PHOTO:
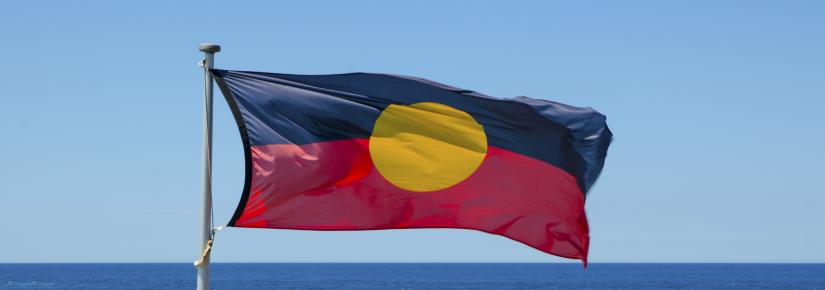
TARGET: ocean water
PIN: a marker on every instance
(416, 276)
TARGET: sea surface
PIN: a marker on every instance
(416, 276)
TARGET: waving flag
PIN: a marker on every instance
(372, 151)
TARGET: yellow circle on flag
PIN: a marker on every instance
(426, 146)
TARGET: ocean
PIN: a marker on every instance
(416, 276)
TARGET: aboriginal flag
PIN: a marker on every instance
(367, 151)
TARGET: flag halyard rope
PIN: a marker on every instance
(207, 249)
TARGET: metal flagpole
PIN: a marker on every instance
(209, 51)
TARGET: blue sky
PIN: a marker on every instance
(716, 107)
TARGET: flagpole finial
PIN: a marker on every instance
(209, 48)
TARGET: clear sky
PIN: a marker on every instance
(716, 107)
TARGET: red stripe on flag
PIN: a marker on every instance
(334, 186)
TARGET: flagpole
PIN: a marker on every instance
(209, 51)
